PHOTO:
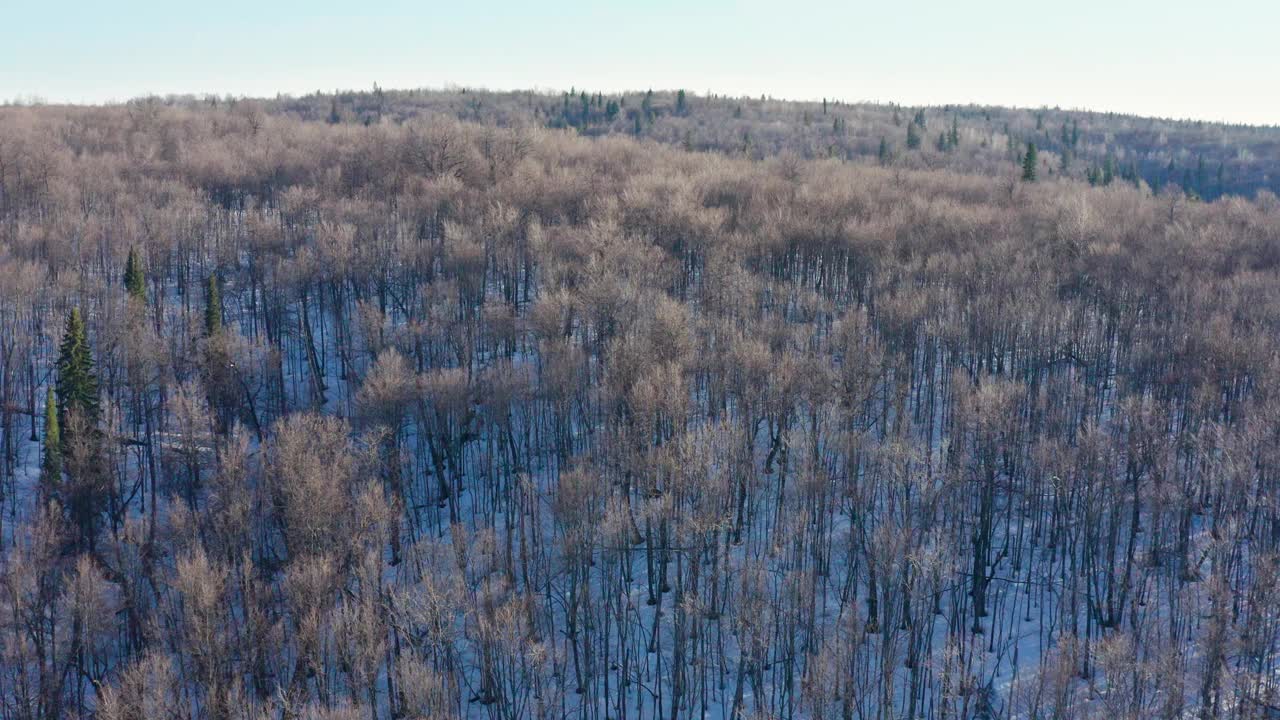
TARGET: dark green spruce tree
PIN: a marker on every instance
(86, 484)
(913, 136)
(51, 465)
(135, 280)
(1029, 162)
(77, 386)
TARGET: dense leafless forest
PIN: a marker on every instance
(426, 405)
(1201, 158)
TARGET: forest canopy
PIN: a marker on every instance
(401, 405)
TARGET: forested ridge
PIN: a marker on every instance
(420, 416)
(1199, 158)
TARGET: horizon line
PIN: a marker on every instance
(36, 100)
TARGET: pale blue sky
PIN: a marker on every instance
(1210, 60)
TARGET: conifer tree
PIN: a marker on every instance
(884, 151)
(76, 421)
(77, 386)
(954, 138)
(680, 102)
(913, 136)
(212, 306)
(1029, 163)
(134, 279)
(51, 466)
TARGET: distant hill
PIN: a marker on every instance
(1203, 158)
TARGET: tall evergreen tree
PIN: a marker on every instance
(51, 466)
(953, 139)
(884, 151)
(680, 102)
(212, 306)
(1029, 161)
(913, 135)
(86, 482)
(77, 386)
(134, 279)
